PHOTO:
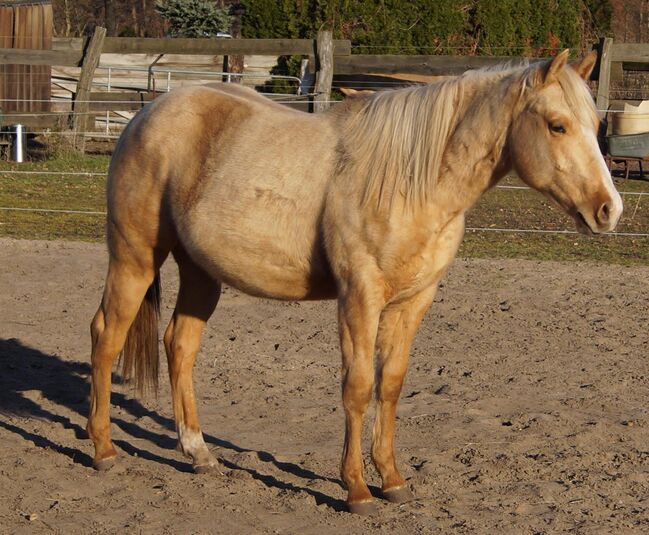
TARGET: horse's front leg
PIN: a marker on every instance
(359, 311)
(397, 328)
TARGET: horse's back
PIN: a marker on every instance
(238, 180)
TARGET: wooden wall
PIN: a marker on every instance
(25, 25)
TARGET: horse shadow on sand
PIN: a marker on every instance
(31, 379)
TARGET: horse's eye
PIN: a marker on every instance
(557, 128)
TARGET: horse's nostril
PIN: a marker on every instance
(604, 213)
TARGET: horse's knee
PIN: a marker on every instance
(357, 392)
(389, 388)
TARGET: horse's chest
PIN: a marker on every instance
(424, 261)
(415, 273)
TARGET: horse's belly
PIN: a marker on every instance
(278, 255)
(256, 269)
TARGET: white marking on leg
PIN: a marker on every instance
(193, 444)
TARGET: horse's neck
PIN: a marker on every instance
(476, 156)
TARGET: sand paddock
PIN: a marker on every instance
(524, 408)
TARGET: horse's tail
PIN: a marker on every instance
(140, 356)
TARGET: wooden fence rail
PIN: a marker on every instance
(204, 47)
(68, 52)
(28, 56)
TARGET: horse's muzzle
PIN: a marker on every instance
(604, 219)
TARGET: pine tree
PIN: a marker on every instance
(194, 18)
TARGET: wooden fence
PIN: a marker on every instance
(616, 59)
(25, 87)
(327, 58)
(85, 53)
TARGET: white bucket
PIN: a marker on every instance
(633, 120)
(630, 123)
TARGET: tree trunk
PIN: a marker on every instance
(143, 20)
(68, 18)
(109, 16)
(135, 20)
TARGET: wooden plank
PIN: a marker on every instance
(33, 121)
(6, 27)
(325, 71)
(46, 70)
(33, 41)
(217, 47)
(604, 81)
(630, 52)
(431, 65)
(6, 41)
(81, 102)
(69, 43)
(112, 101)
(19, 33)
(25, 56)
(207, 47)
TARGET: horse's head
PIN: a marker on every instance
(553, 144)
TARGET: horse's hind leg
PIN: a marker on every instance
(126, 285)
(397, 328)
(197, 298)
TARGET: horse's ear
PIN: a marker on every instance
(549, 70)
(585, 67)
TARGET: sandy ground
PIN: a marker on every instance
(524, 410)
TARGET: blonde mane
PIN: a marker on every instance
(398, 138)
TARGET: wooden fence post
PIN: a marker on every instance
(324, 71)
(604, 80)
(91, 57)
(234, 63)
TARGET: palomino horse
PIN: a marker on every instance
(364, 204)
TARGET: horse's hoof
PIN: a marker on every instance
(398, 495)
(363, 508)
(207, 469)
(103, 465)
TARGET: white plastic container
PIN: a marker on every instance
(632, 120)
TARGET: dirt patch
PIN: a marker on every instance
(524, 409)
